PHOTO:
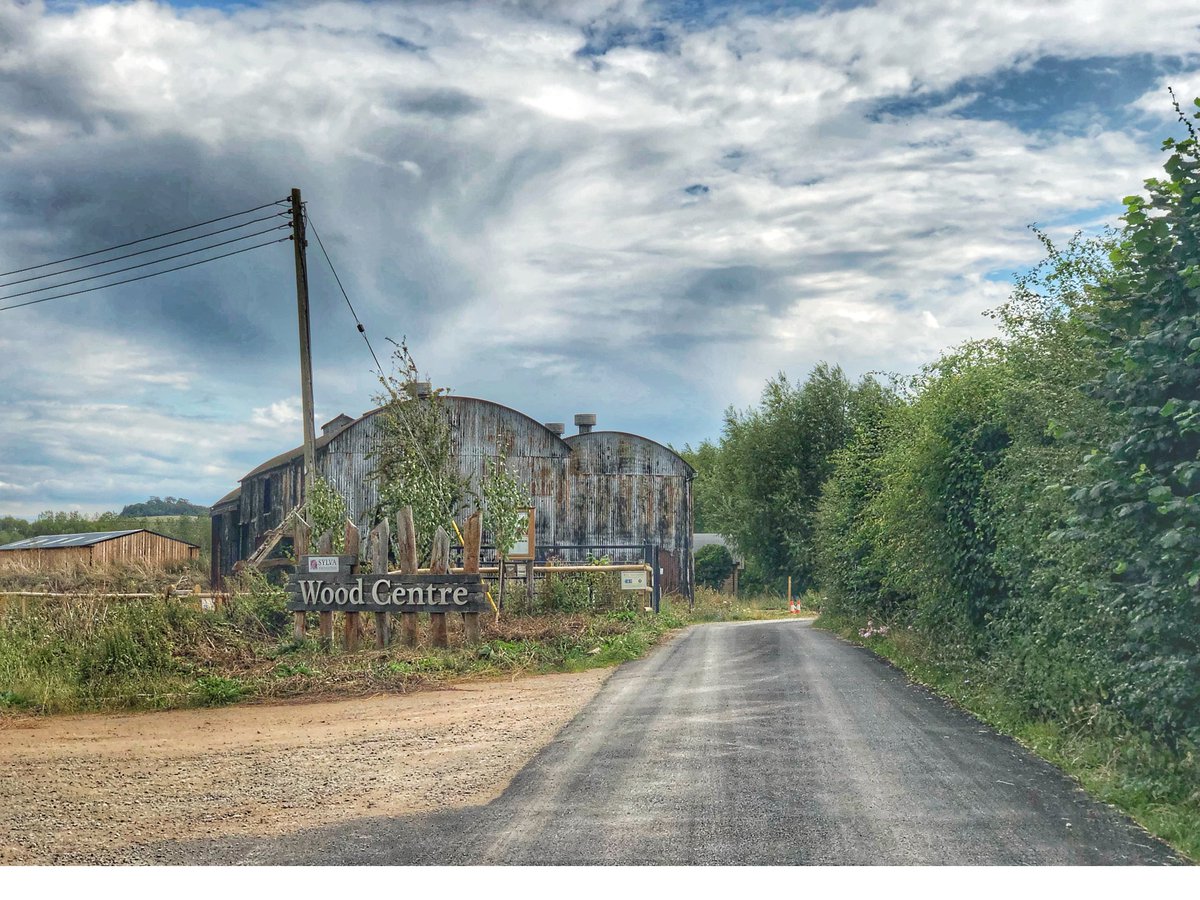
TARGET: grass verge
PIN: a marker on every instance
(1158, 788)
(91, 653)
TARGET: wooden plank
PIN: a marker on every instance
(472, 538)
(406, 549)
(380, 538)
(439, 564)
(352, 625)
(325, 548)
(301, 535)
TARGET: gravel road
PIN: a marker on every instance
(137, 787)
(763, 743)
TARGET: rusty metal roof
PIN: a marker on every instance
(50, 541)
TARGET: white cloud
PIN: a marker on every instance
(631, 233)
(281, 412)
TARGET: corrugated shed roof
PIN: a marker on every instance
(54, 541)
(48, 541)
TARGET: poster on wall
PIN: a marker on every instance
(524, 548)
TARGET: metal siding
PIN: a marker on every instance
(144, 546)
(600, 488)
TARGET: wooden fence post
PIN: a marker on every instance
(439, 564)
(380, 537)
(472, 538)
(406, 542)
(301, 535)
(353, 542)
(325, 548)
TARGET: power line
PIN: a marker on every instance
(142, 240)
(104, 262)
(147, 275)
(151, 262)
(329, 262)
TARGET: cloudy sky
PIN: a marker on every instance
(638, 209)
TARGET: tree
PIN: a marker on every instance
(415, 462)
(504, 500)
(714, 565)
(326, 512)
(766, 478)
(1146, 482)
(705, 487)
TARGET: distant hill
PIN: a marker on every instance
(165, 506)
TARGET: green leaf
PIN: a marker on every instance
(1172, 538)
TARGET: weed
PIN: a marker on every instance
(214, 690)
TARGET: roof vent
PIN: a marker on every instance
(586, 422)
(419, 389)
(557, 427)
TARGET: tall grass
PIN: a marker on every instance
(75, 577)
(65, 654)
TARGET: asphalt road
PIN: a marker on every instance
(767, 743)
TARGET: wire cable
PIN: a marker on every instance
(361, 330)
(143, 240)
(104, 262)
(151, 262)
(147, 275)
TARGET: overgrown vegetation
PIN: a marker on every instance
(504, 498)
(326, 512)
(1027, 518)
(585, 592)
(1024, 515)
(76, 577)
(760, 486)
(714, 565)
(94, 653)
(414, 460)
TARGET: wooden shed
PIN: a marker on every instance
(99, 547)
(606, 492)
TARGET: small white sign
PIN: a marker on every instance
(633, 580)
(323, 564)
(207, 604)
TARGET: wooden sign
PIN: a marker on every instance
(525, 547)
(346, 592)
(388, 593)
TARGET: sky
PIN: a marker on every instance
(642, 210)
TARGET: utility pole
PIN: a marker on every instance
(306, 392)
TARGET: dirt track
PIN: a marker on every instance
(91, 789)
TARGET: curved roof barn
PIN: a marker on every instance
(592, 490)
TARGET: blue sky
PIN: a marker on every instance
(642, 210)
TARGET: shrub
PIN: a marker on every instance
(714, 565)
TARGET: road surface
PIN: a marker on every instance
(768, 743)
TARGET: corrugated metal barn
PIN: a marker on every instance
(99, 547)
(591, 490)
